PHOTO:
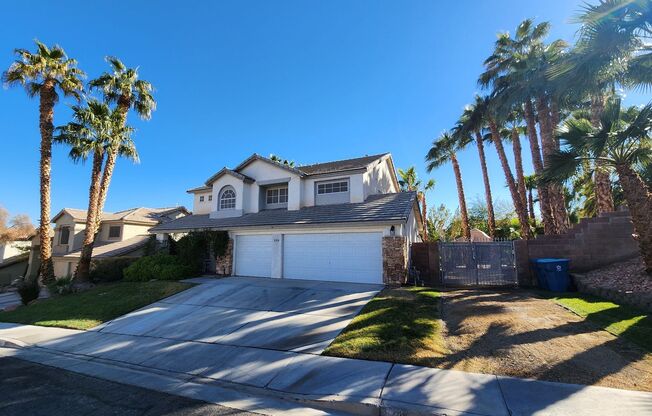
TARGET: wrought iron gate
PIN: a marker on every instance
(477, 264)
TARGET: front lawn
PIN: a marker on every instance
(399, 325)
(90, 308)
(620, 320)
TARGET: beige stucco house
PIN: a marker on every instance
(341, 221)
(122, 234)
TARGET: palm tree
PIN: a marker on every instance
(513, 72)
(45, 73)
(623, 141)
(444, 149)
(122, 87)
(521, 212)
(513, 135)
(95, 130)
(282, 161)
(531, 185)
(409, 181)
(472, 122)
(612, 49)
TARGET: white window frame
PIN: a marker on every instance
(277, 195)
(201, 198)
(325, 188)
(227, 203)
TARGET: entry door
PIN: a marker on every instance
(345, 257)
(253, 255)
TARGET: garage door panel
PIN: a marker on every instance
(349, 257)
(253, 255)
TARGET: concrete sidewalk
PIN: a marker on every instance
(248, 378)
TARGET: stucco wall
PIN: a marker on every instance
(201, 207)
(378, 179)
(12, 249)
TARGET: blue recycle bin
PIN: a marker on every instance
(552, 274)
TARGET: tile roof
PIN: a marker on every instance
(339, 165)
(141, 214)
(227, 171)
(114, 249)
(377, 208)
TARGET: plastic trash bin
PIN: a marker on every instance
(552, 274)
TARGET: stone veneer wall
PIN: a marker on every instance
(224, 264)
(395, 260)
(591, 244)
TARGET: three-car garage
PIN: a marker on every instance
(331, 256)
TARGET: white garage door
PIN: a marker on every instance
(253, 255)
(345, 257)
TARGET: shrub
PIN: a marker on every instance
(109, 270)
(160, 267)
(196, 246)
(61, 286)
(28, 290)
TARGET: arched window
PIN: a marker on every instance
(227, 198)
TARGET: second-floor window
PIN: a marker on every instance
(201, 198)
(227, 199)
(64, 235)
(210, 197)
(114, 231)
(332, 187)
(277, 196)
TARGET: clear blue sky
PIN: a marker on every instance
(308, 80)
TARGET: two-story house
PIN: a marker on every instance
(339, 221)
(121, 234)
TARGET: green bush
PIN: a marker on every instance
(28, 290)
(159, 267)
(62, 285)
(109, 270)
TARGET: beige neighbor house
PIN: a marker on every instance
(339, 221)
(121, 234)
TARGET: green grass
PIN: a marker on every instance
(90, 308)
(620, 320)
(399, 325)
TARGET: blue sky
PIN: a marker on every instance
(308, 80)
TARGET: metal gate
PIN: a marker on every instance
(477, 264)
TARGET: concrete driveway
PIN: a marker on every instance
(277, 314)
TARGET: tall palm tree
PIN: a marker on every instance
(612, 49)
(531, 185)
(621, 142)
(472, 122)
(443, 150)
(513, 70)
(95, 130)
(521, 212)
(513, 135)
(409, 181)
(122, 86)
(45, 73)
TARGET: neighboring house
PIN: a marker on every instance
(11, 249)
(121, 234)
(339, 221)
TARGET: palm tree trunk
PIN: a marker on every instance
(491, 220)
(555, 118)
(84, 265)
(544, 199)
(518, 167)
(530, 201)
(603, 195)
(555, 194)
(511, 184)
(639, 201)
(46, 119)
(466, 230)
(112, 156)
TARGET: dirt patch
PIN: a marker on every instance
(518, 334)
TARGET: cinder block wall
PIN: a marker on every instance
(591, 244)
